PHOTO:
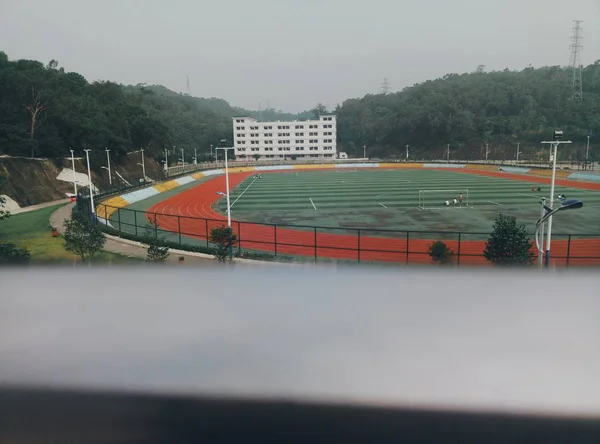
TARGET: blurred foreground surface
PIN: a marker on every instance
(360, 355)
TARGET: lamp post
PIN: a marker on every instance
(182, 159)
(448, 154)
(224, 148)
(108, 160)
(558, 135)
(87, 155)
(518, 152)
(547, 213)
(74, 180)
(487, 151)
(587, 151)
(143, 165)
(407, 152)
(166, 161)
(195, 156)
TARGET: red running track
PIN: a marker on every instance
(190, 211)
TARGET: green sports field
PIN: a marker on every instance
(389, 199)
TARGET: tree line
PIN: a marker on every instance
(45, 111)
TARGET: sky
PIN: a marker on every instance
(291, 55)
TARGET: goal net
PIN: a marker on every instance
(431, 199)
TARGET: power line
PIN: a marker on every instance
(385, 86)
(574, 61)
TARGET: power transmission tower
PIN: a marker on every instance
(385, 86)
(188, 89)
(574, 61)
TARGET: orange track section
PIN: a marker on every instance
(197, 202)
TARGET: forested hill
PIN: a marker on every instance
(469, 110)
(45, 111)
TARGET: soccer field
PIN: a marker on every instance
(389, 199)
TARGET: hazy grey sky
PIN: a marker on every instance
(293, 54)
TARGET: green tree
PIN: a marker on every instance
(224, 239)
(509, 243)
(83, 237)
(440, 253)
(256, 156)
(12, 254)
(157, 250)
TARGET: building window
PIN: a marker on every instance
(299, 148)
(299, 134)
(299, 126)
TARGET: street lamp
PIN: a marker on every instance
(487, 151)
(74, 180)
(108, 159)
(558, 135)
(195, 156)
(407, 152)
(143, 165)
(547, 213)
(587, 151)
(518, 152)
(166, 161)
(224, 148)
(87, 155)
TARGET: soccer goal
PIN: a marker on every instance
(431, 199)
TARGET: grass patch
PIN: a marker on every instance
(32, 230)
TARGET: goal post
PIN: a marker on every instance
(431, 199)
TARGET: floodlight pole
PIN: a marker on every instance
(518, 152)
(407, 152)
(74, 180)
(555, 144)
(87, 155)
(167, 161)
(487, 151)
(195, 156)
(448, 154)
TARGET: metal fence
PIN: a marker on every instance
(293, 242)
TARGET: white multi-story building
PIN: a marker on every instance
(273, 140)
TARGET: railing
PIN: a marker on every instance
(335, 243)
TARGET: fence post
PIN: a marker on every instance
(179, 228)
(275, 238)
(568, 249)
(458, 252)
(315, 243)
(239, 238)
(206, 220)
(119, 217)
(407, 244)
(359, 245)
(135, 221)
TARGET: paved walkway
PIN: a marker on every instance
(39, 206)
(122, 246)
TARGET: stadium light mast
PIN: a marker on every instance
(166, 161)
(225, 149)
(195, 156)
(407, 152)
(587, 150)
(143, 164)
(74, 179)
(487, 151)
(518, 152)
(87, 155)
(182, 160)
(448, 154)
(558, 135)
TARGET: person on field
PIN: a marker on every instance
(447, 203)
(460, 199)
(454, 202)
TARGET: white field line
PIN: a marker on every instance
(242, 193)
(529, 195)
(382, 204)
(313, 204)
(495, 203)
